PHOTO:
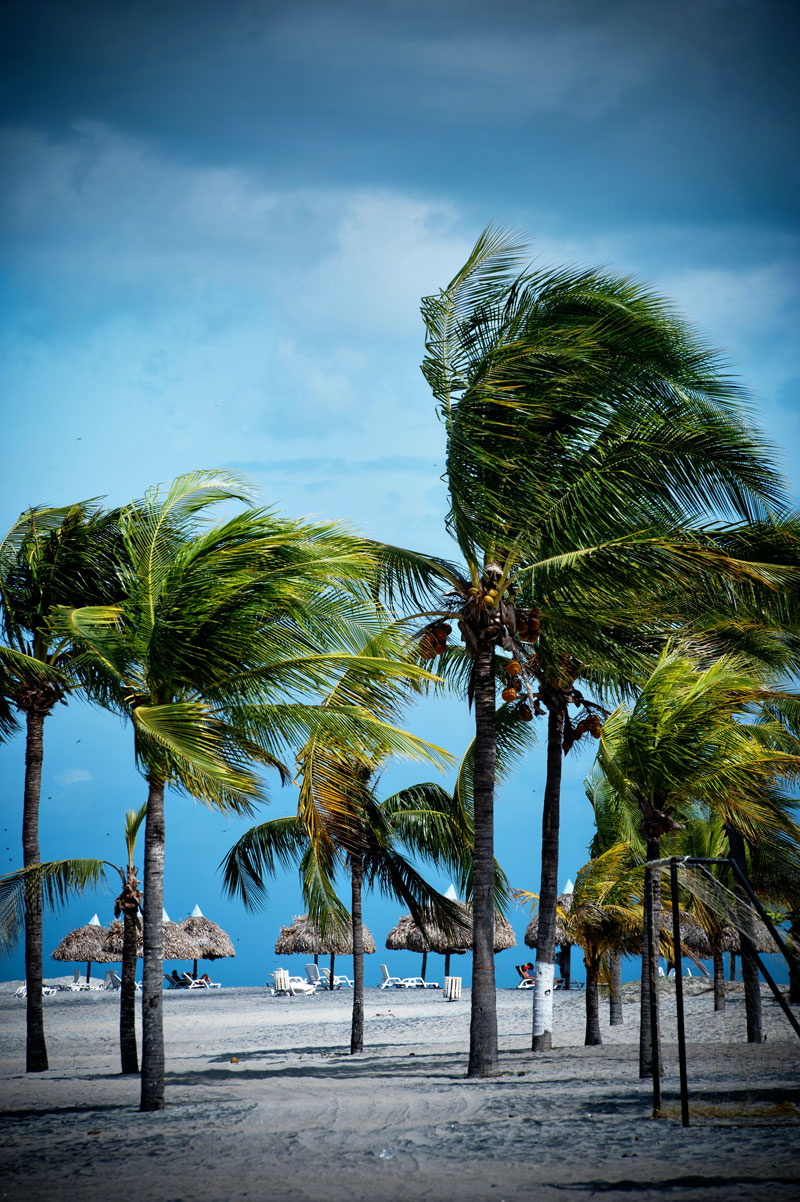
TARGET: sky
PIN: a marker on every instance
(216, 227)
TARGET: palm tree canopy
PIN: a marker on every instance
(699, 742)
(50, 558)
(224, 634)
(578, 404)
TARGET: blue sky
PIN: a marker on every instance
(216, 228)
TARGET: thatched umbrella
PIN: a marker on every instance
(303, 938)
(177, 943)
(407, 937)
(85, 945)
(213, 941)
(765, 945)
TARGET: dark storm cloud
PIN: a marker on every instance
(692, 103)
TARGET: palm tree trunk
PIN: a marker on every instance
(752, 985)
(794, 964)
(483, 1058)
(36, 1048)
(719, 977)
(152, 1092)
(615, 1015)
(593, 1036)
(548, 891)
(649, 1033)
(565, 965)
(127, 997)
(357, 1025)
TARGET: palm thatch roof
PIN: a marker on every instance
(765, 944)
(407, 936)
(302, 937)
(178, 944)
(213, 941)
(562, 935)
(85, 945)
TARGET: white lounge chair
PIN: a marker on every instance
(526, 983)
(417, 983)
(190, 983)
(289, 986)
(313, 977)
(112, 980)
(47, 990)
(390, 982)
(76, 985)
(199, 983)
(452, 989)
(338, 982)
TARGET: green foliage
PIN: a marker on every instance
(699, 742)
(59, 880)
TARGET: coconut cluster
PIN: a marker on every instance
(433, 641)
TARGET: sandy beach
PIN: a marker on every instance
(264, 1101)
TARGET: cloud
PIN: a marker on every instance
(73, 776)
(105, 219)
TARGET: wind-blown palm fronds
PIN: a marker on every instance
(590, 434)
(225, 635)
(49, 558)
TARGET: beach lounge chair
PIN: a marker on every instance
(452, 989)
(313, 977)
(418, 983)
(289, 986)
(390, 982)
(526, 983)
(112, 980)
(201, 983)
(172, 983)
(47, 990)
(190, 983)
(338, 982)
(76, 985)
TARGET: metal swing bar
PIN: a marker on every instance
(701, 862)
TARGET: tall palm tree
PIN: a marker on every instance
(588, 430)
(697, 742)
(340, 822)
(58, 880)
(224, 633)
(49, 558)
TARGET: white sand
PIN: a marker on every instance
(298, 1118)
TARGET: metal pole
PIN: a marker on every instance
(676, 955)
(652, 940)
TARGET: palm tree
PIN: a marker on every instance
(696, 743)
(223, 634)
(58, 880)
(340, 822)
(587, 430)
(605, 915)
(49, 558)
